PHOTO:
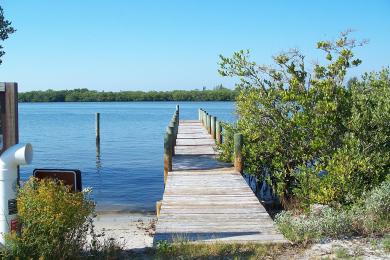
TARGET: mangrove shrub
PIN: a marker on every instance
(317, 138)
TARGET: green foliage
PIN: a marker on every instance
(84, 95)
(226, 147)
(366, 218)
(5, 30)
(321, 141)
(386, 243)
(54, 222)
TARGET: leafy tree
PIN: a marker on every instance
(5, 30)
(306, 129)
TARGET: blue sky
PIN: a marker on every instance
(162, 45)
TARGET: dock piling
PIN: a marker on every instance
(97, 128)
(218, 132)
(167, 154)
(171, 132)
(209, 123)
(213, 127)
(238, 158)
(158, 207)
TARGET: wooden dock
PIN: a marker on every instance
(206, 200)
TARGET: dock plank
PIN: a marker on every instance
(207, 200)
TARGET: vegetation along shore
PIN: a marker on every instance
(218, 93)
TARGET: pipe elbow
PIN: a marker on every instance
(17, 154)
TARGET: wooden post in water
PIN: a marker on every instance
(238, 159)
(209, 124)
(167, 154)
(218, 130)
(213, 126)
(97, 128)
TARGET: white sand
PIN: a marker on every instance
(133, 231)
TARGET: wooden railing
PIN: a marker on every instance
(214, 128)
(170, 142)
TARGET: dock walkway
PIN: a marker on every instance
(207, 200)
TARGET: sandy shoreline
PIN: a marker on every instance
(132, 230)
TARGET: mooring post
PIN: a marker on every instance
(203, 118)
(213, 126)
(199, 114)
(177, 112)
(218, 130)
(238, 159)
(209, 124)
(97, 128)
(158, 207)
(171, 131)
(167, 154)
(174, 124)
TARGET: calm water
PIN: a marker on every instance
(128, 174)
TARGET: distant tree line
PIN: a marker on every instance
(84, 95)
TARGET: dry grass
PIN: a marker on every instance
(186, 250)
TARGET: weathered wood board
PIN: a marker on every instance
(207, 200)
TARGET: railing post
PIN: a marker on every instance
(218, 130)
(171, 131)
(158, 207)
(177, 112)
(176, 127)
(213, 126)
(204, 118)
(199, 114)
(238, 159)
(209, 123)
(167, 154)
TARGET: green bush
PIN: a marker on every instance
(366, 218)
(54, 222)
(320, 139)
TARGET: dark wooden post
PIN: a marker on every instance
(97, 128)
(213, 126)
(238, 159)
(171, 132)
(9, 114)
(218, 130)
(167, 154)
(173, 124)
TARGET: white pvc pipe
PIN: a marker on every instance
(14, 156)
